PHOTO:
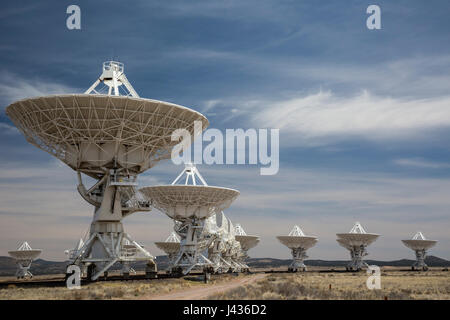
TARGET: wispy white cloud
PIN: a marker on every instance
(421, 163)
(8, 129)
(326, 115)
(327, 202)
(14, 87)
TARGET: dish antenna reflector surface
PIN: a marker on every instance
(247, 242)
(420, 245)
(72, 253)
(190, 205)
(24, 256)
(112, 138)
(356, 241)
(299, 243)
(171, 247)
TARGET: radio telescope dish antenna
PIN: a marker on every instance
(171, 247)
(72, 253)
(217, 226)
(299, 243)
(247, 242)
(190, 206)
(356, 241)
(230, 248)
(111, 138)
(24, 256)
(420, 245)
(133, 252)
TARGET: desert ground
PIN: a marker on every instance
(318, 283)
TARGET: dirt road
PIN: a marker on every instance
(204, 292)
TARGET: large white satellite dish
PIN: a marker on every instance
(171, 247)
(190, 205)
(420, 245)
(24, 256)
(112, 138)
(219, 228)
(356, 241)
(247, 242)
(232, 251)
(299, 243)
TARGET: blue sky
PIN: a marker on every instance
(364, 116)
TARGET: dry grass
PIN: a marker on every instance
(106, 290)
(312, 285)
(395, 285)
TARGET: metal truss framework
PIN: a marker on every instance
(420, 245)
(299, 243)
(356, 241)
(246, 242)
(24, 256)
(111, 138)
(171, 246)
(191, 206)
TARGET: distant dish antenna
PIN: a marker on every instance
(247, 242)
(173, 238)
(111, 136)
(73, 253)
(299, 243)
(232, 250)
(191, 205)
(356, 241)
(171, 247)
(218, 227)
(239, 230)
(420, 245)
(24, 256)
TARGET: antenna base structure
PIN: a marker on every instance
(420, 260)
(24, 256)
(190, 205)
(218, 226)
(171, 247)
(193, 246)
(356, 241)
(225, 249)
(114, 197)
(299, 243)
(247, 242)
(357, 254)
(298, 257)
(420, 245)
(231, 257)
(111, 136)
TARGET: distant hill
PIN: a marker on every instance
(8, 266)
(431, 261)
(40, 266)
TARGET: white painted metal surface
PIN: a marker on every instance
(247, 242)
(111, 138)
(420, 245)
(192, 206)
(356, 241)
(299, 243)
(171, 246)
(112, 80)
(24, 256)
